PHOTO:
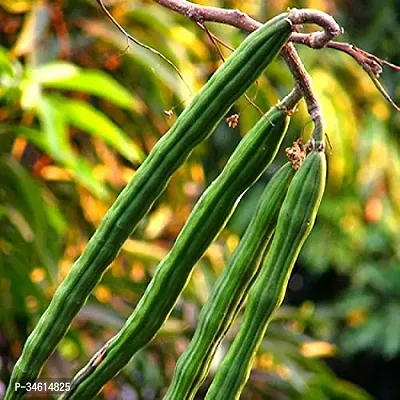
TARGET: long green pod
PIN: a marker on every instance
(230, 290)
(250, 159)
(194, 125)
(295, 221)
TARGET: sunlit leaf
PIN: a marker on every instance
(30, 91)
(28, 213)
(10, 75)
(144, 250)
(17, 6)
(62, 75)
(55, 141)
(5, 64)
(85, 117)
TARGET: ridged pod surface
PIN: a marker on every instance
(229, 292)
(295, 221)
(194, 125)
(250, 159)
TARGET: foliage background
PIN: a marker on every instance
(79, 111)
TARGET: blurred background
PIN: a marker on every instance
(80, 110)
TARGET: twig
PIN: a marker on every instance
(290, 101)
(319, 39)
(315, 40)
(241, 20)
(370, 63)
(303, 79)
(361, 56)
(220, 41)
(201, 14)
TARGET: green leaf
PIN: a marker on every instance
(55, 141)
(355, 300)
(391, 337)
(30, 91)
(6, 66)
(63, 75)
(33, 135)
(366, 336)
(26, 211)
(10, 76)
(54, 129)
(85, 117)
(6, 140)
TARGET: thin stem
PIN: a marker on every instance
(320, 39)
(244, 22)
(303, 79)
(370, 63)
(331, 29)
(139, 43)
(315, 40)
(201, 14)
(290, 101)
